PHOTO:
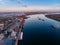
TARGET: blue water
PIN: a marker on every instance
(39, 32)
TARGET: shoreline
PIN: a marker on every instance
(54, 16)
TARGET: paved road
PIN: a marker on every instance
(10, 41)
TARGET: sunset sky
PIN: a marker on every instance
(25, 5)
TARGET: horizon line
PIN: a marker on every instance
(30, 8)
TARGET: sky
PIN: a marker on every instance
(16, 5)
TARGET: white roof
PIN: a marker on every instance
(1, 24)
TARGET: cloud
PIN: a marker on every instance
(18, 1)
(9, 1)
(27, 8)
(1, 1)
(32, 8)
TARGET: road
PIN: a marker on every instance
(16, 25)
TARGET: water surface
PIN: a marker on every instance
(40, 32)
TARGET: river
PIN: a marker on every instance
(38, 30)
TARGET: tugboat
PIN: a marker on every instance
(39, 18)
(43, 20)
(55, 26)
